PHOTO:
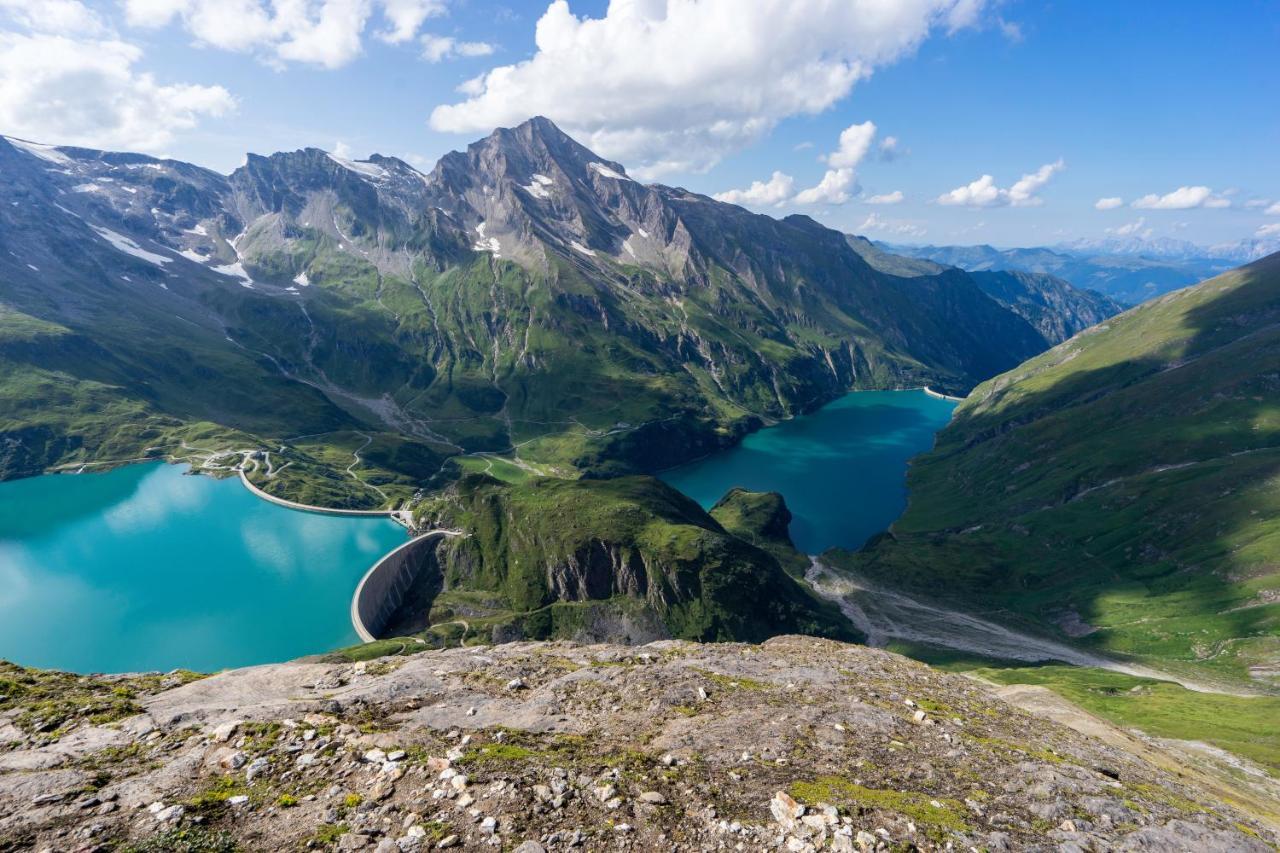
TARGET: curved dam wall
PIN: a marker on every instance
(382, 589)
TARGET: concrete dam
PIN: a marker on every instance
(383, 588)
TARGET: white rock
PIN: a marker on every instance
(171, 814)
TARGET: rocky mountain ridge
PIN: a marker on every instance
(798, 744)
(526, 298)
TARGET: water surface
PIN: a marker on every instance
(841, 469)
(146, 567)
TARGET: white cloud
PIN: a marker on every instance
(328, 33)
(772, 193)
(980, 193)
(889, 148)
(984, 193)
(439, 48)
(1109, 203)
(1273, 210)
(837, 184)
(1183, 198)
(904, 227)
(674, 85)
(88, 92)
(1132, 229)
(1023, 193)
(855, 141)
(404, 17)
(63, 17)
(1268, 229)
(834, 188)
(894, 197)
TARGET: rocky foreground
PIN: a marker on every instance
(796, 744)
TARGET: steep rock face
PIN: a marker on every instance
(548, 550)
(794, 744)
(1055, 308)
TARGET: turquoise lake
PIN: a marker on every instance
(148, 568)
(842, 469)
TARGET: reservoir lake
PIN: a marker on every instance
(148, 568)
(841, 469)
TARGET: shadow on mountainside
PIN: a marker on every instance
(1119, 488)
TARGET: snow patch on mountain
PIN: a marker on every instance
(581, 248)
(602, 169)
(123, 244)
(536, 189)
(301, 279)
(486, 244)
(235, 270)
(368, 170)
(45, 152)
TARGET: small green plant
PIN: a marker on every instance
(327, 834)
(185, 840)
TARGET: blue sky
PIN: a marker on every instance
(1168, 106)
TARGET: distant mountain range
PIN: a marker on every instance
(1054, 307)
(1129, 271)
(525, 298)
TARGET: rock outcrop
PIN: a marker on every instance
(797, 744)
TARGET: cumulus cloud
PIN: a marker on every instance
(984, 193)
(1183, 198)
(1136, 228)
(67, 17)
(404, 17)
(772, 193)
(894, 197)
(88, 92)
(902, 227)
(1109, 203)
(439, 48)
(328, 33)
(836, 187)
(889, 148)
(1023, 192)
(855, 141)
(980, 193)
(674, 85)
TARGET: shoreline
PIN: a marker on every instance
(932, 393)
(401, 517)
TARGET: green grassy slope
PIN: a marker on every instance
(539, 551)
(1122, 487)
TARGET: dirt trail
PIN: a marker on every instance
(884, 615)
